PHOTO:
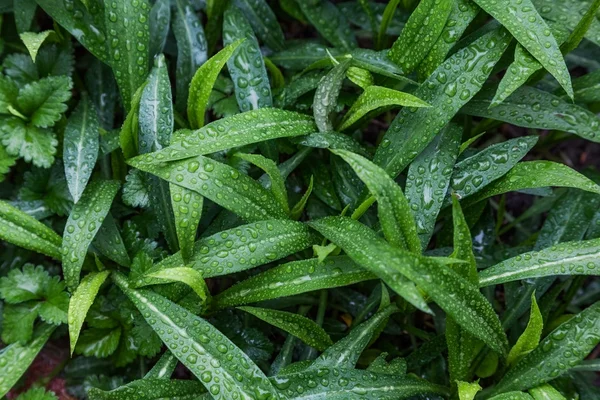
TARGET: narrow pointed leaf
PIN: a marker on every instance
(568, 14)
(263, 21)
(159, 22)
(546, 392)
(332, 140)
(109, 243)
(327, 94)
(512, 396)
(187, 275)
(297, 325)
(330, 22)
(128, 136)
(187, 209)
(150, 389)
(530, 338)
(164, 367)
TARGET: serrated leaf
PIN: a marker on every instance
(150, 389)
(37, 394)
(530, 338)
(293, 278)
(80, 147)
(329, 21)
(301, 327)
(203, 82)
(263, 21)
(18, 321)
(187, 275)
(25, 231)
(521, 18)
(83, 224)
(562, 349)
(159, 22)
(451, 292)
(33, 41)
(420, 33)
(326, 96)
(395, 216)
(35, 145)
(81, 301)
(451, 86)
(220, 374)
(16, 358)
(378, 98)
(43, 101)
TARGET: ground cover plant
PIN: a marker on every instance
(299, 199)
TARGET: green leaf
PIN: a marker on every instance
(428, 180)
(293, 278)
(301, 327)
(128, 136)
(298, 209)
(127, 30)
(521, 18)
(238, 130)
(37, 394)
(572, 258)
(24, 14)
(241, 248)
(219, 373)
(192, 49)
(203, 82)
(562, 349)
(512, 396)
(18, 321)
(329, 21)
(395, 216)
(164, 367)
(378, 98)
(81, 301)
(16, 358)
(25, 231)
(546, 392)
(35, 145)
(386, 18)
(136, 190)
(451, 292)
(43, 101)
(33, 41)
(159, 22)
(263, 21)
(327, 94)
(80, 147)
(420, 33)
(189, 276)
(109, 243)
(450, 87)
(150, 389)
(474, 173)
(533, 108)
(83, 224)
(530, 338)
(467, 391)
(187, 210)
(99, 343)
(332, 140)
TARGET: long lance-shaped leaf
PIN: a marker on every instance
(16, 358)
(128, 136)
(521, 18)
(375, 98)
(345, 353)
(187, 209)
(450, 87)
(220, 183)
(80, 147)
(332, 140)
(159, 22)
(536, 174)
(562, 349)
(428, 179)
(83, 224)
(293, 278)
(512, 396)
(455, 295)
(242, 248)
(295, 324)
(572, 258)
(221, 366)
(533, 108)
(420, 33)
(109, 243)
(25, 231)
(238, 130)
(203, 82)
(568, 14)
(395, 215)
(330, 22)
(81, 301)
(474, 173)
(326, 95)
(192, 49)
(187, 275)
(128, 32)
(150, 389)
(263, 21)
(530, 338)
(164, 367)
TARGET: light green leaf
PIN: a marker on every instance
(521, 18)
(84, 222)
(187, 275)
(326, 96)
(187, 210)
(467, 391)
(150, 389)
(297, 325)
(203, 82)
(33, 41)
(378, 98)
(329, 21)
(81, 301)
(395, 216)
(562, 349)
(128, 136)
(293, 278)
(530, 338)
(25, 231)
(263, 21)
(80, 147)
(546, 392)
(420, 33)
(206, 357)
(455, 295)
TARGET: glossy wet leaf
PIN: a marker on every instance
(150, 389)
(25, 231)
(109, 242)
(128, 136)
(468, 391)
(159, 22)
(329, 22)
(512, 396)
(544, 392)
(376, 98)
(420, 33)
(521, 18)
(562, 349)
(568, 13)
(293, 278)
(187, 209)
(164, 367)
(263, 21)
(451, 292)
(332, 140)
(187, 275)
(81, 301)
(84, 222)
(327, 94)
(33, 41)
(204, 349)
(451, 86)
(530, 338)
(301, 327)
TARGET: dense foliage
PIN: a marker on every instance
(299, 199)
